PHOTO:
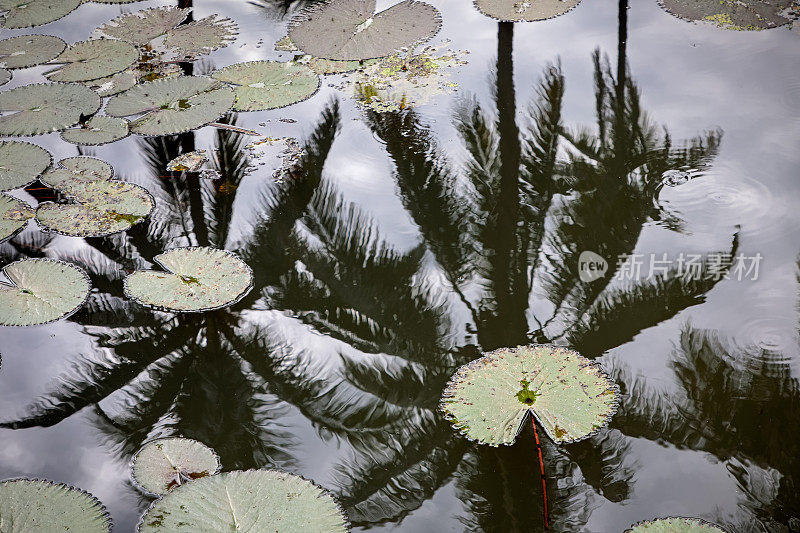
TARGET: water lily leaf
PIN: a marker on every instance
(27, 13)
(489, 399)
(348, 29)
(21, 163)
(119, 82)
(163, 464)
(5, 76)
(29, 50)
(255, 500)
(45, 107)
(188, 162)
(40, 291)
(675, 525)
(318, 65)
(268, 84)
(202, 36)
(102, 206)
(98, 130)
(172, 105)
(90, 60)
(740, 15)
(144, 26)
(46, 507)
(524, 10)
(196, 279)
(14, 216)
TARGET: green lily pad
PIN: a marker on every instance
(5, 76)
(29, 505)
(254, 500)
(675, 525)
(29, 50)
(115, 84)
(318, 65)
(163, 464)
(268, 84)
(21, 163)
(90, 60)
(27, 13)
(524, 10)
(172, 105)
(489, 399)
(739, 15)
(349, 29)
(14, 216)
(201, 36)
(40, 291)
(45, 107)
(78, 168)
(97, 130)
(143, 26)
(196, 279)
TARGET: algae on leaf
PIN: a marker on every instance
(97, 130)
(163, 464)
(268, 84)
(21, 163)
(14, 216)
(45, 107)
(27, 13)
(524, 10)
(29, 50)
(90, 60)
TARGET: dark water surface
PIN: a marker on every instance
(407, 242)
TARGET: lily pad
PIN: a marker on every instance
(90, 60)
(739, 15)
(172, 105)
(45, 107)
(111, 85)
(524, 10)
(675, 525)
(201, 36)
(188, 162)
(29, 50)
(163, 464)
(46, 507)
(40, 291)
(27, 13)
(318, 65)
(98, 130)
(14, 216)
(143, 26)
(5, 76)
(253, 500)
(349, 29)
(196, 279)
(21, 163)
(489, 399)
(79, 168)
(268, 84)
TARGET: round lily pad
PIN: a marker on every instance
(40, 291)
(201, 36)
(29, 50)
(90, 60)
(115, 84)
(46, 507)
(97, 130)
(143, 26)
(27, 13)
(739, 15)
(268, 84)
(78, 168)
(172, 105)
(45, 107)
(253, 500)
(5, 76)
(520, 11)
(489, 399)
(675, 525)
(14, 216)
(196, 279)
(163, 464)
(21, 163)
(349, 29)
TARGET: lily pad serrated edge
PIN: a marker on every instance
(463, 369)
(523, 21)
(709, 23)
(164, 269)
(3, 18)
(127, 123)
(37, 64)
(49, 164)
(701, 521)
(62, 167)
(105, 514)
(25, 225)
(15, 111)
(135, 481)
(233, 86)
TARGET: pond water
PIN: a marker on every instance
(407, 242)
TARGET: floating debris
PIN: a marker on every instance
(188, 162)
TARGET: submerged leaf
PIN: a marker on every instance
(675, 525)
(21, 163)
(524, 10)
(489, 398)
(144, 26)
(90, 60)
(268, 84)
(739, 15)
(46, 507)
(255, 500)
(163, 464)
(349, 29)
(201, 36)
(40, 291)
(29, 50)
(14, 215)
(97, 130)
(45, 107)
(27, 13)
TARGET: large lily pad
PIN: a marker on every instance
(268, 84)
(144, 26)
(90, 60)
(733, 15)
(255, 500)
(45, 107)
(489, 399)
(97, 130)
(163, 464)
(14, 216)
(196, 279)
(27, 13)
(33, 505)
(21, 163)
(524, 10)
(349, 29)
(29, 50)
(40, 291)
(675, 525)
(201, 36)
(172, 105)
